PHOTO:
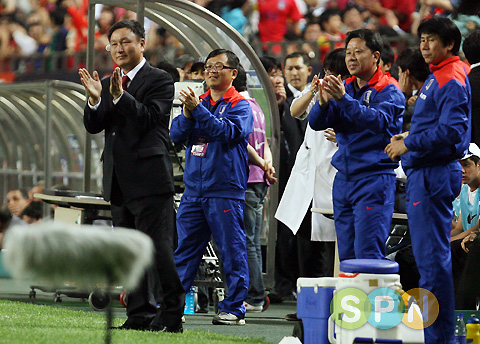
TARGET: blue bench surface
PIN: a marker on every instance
(369, 266)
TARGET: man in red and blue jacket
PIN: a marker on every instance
(439, 136)
(364, 112)
(216, 127)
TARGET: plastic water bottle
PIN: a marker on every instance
(190, 301)
(473, 330)
(460, 330)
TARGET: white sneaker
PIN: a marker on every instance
(227, 319)
(252, 308)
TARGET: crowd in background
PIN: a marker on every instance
(32, 27)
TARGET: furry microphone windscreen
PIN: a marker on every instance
(56, 252)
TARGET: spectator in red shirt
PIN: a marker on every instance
(396, 14)
(276, 16)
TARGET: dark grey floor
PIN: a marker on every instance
(269, 325)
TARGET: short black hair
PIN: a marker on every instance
(33, 210)
(471, 47)
(475, 159)
(351, 6)
(335, 62)
(232, 59)
(133, 25)
(388, 56)
(372, 40)
(411, 59)
(446, 30)
(240, 82)
(23, 192)
(327, 14)
(170, 69)
(5, 218)
(298, 54)
(270, 62)
(57, 16)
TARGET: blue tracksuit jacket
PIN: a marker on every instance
(224, 126)
(364, 121)
(440, 130)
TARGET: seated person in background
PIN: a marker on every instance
(170, 69)
(32, 213)
(412, 72)
(17, 201)
(198, 69)
(5, 219)
(183, 64)
(469, 211)
(469, 195)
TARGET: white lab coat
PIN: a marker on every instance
(311, 178)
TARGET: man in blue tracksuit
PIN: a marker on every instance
(216, 128)
(364, 112)
(439, 136)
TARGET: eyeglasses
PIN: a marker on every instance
(217, 67)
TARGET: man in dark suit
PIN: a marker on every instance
(471, 48)
(137, 172)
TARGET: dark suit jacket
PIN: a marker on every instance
(474, 78)
(293, 129)
(136, 134)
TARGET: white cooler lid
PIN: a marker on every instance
(328, 282)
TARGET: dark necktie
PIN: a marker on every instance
(125, 80)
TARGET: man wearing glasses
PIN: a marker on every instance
(133, 107)
(215, 126)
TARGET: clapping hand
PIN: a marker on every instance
(190, 101)
(116, 88)
(333, 85)
(93, 86)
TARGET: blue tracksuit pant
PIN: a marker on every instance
(363, 214)
(430, 193)
(198, 218)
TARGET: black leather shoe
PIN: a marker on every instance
(133, 325)
(155, 327)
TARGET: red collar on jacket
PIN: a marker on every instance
(378, 80)
(448, 69)
(231, 96)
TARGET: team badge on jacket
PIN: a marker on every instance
(366, 97)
